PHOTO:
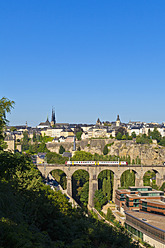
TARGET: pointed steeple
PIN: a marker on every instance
(53, 121)
(118, 122)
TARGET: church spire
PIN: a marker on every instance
(53, 121)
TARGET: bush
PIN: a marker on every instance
(110, 215)
(119, 136)
(82, 156)
(105, 150)
(61, 150)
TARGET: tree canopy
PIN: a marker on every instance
(82, 156)
(5, 107)
(33, 215)
(78, 135)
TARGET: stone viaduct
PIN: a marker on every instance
(94, 171)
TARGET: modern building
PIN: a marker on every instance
(120, 198)
(155, 206)
(129, 199)
(132, 200)
(148, 227)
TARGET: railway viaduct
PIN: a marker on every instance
(94, 171)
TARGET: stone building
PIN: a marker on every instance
(45, 124)
(118, 122)
(10, 140)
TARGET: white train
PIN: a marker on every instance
(96, 163)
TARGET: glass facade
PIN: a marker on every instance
(140, 189)
(149, 230)
(151, 194)
(134, 231)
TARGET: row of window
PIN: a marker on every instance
(145, 205)
(134, 231)
(144, 209)
(150, 230)
(151, 194)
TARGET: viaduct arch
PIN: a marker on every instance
(94, 171)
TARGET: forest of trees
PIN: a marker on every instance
(142, 138)
(33, 215)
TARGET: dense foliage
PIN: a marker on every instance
(32, 215)
(127, 179)
(78, 135)
(87, 156)
(80, 182)
(105, 150)
(61, 150)
(147, 139)
(34, 145)
(60, 177)
(5, 107)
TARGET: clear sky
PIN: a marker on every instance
(87, 58)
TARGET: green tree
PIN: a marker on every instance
(79, 148)
(78, 135)
(99, 199)
(60, 177)
(119, 136)
(133, 134)
(105, 150)
(109, 194)
(124, 137)
(128, 179)
(156, 135)
(5, 107)
(79, 179)
(104, 188)
(110, 215)
(82, 156)
(25, 141)
(143, 139)
(162, 141)
(34, 136)
(54, 158)
(42, 147)
(61, 150)
(12, 129)
(83, 193)
(147, 176)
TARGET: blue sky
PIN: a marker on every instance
(88, 59)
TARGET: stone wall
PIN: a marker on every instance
(149, 154)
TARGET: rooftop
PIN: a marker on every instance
(133, 187)
(151, 219)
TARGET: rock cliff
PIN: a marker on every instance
(148, 153)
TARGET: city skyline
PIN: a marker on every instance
(49, 118)
(88, 59)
